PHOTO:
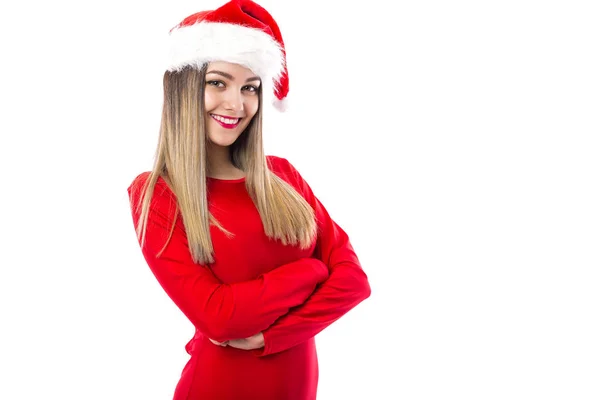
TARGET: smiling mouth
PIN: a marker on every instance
(226, 122)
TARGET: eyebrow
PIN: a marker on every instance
(228, 76)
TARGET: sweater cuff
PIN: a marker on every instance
(266, 349)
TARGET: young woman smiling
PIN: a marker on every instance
(237, 239)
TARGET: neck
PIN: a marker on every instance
(219, 162)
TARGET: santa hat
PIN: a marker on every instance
(240, 32)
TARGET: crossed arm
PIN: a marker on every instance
(221, 311)
(346, 286)
(288, 305)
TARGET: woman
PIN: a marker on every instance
(237, 239)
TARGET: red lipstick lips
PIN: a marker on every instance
(224, 124)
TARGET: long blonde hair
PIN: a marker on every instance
(181, 160)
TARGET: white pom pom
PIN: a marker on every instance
(281, 105)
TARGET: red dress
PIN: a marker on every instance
(255, 285)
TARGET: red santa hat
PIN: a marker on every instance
(240, 32)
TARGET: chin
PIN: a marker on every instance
(222, 140)
(224, 137)
(222, 143)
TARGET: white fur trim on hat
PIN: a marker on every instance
(204, 42)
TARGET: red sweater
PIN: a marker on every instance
(255, 285)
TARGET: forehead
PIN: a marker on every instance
(236, 70)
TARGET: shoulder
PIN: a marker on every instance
(139, 179)
(281, 164)
(283, 168)
(139, 184)
(275, 163)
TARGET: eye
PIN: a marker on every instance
(251, 88)
(216, 83)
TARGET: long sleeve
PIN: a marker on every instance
(220, 311)
(346, 287)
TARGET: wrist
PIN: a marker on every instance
(261, 339)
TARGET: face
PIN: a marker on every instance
(231, 100)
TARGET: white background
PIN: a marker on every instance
(455, 142)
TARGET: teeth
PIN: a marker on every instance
(225, 120)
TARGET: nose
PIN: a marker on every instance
(234, 101)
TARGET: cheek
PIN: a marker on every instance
(210, 100)
(252, 106)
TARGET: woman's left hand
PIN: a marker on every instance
(253, 342)
(219, 343)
